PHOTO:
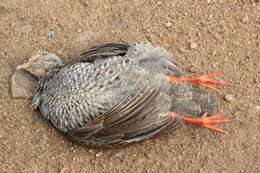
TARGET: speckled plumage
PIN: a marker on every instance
(113, 95)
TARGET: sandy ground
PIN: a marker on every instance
(204, 36)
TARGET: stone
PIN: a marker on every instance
(245, 19)
(117, 154)
(23, 84)
(26, 28)
(54, 35)
(193, 45)
(229, 97)
(256, 109)
(168, 24)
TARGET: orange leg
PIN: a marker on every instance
(205, 121)
(203, 80)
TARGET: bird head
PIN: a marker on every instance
(26, 75)
(39, 64)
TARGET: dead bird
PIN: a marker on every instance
(116, 94)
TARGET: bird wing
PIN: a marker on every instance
(103, 51)
(132, 119)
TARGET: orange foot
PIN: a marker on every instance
(205, 121)
(203, 80)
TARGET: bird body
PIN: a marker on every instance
(115, 94)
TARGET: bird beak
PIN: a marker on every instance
(173, 67)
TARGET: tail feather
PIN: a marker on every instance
(189, 100)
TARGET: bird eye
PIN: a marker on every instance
(165, 70)
(165, 67)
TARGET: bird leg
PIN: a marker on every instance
(203, 80)
(205, 121)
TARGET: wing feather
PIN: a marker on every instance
(103, 51)
(121, 125)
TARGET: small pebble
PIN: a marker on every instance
(26, 28)
(182, 49)
(168, 24)
(35, 169)
(245, 19)
(54, 35)
(256, 109)
(229, 97)
(99, 154)
(118, 155)
(23, 84)
(159, 3)
(193, 45)
(59, 51)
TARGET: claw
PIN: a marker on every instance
(203, 80)
(205, 121)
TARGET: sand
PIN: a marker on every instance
(204, 36)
